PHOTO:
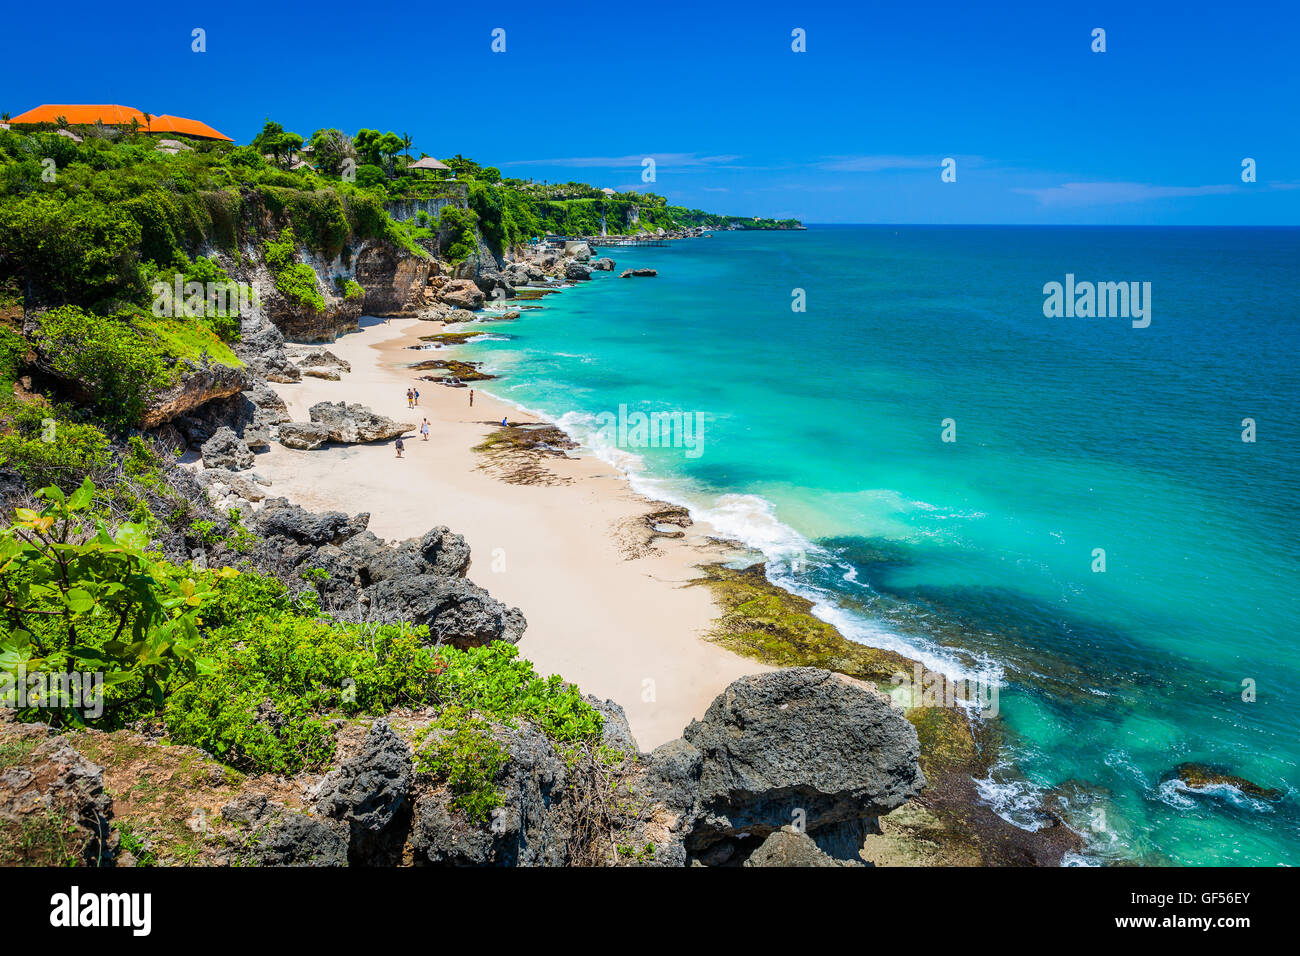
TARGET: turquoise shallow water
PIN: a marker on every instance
(822, 448)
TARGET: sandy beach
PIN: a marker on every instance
(603, 611)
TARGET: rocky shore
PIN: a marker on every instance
(806, 764)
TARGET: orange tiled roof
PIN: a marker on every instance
(77, 114)
(186, 127)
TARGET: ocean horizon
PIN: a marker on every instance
(1087, 511)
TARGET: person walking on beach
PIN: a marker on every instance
(400, 446)
(471, 398)
(410, 399)
(416, 392)
(424, 429)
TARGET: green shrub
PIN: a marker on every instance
(12, 349)
(107, 357)
(77, 597)
(47, 448)
(78, 250)
(459, 748)
(456, 236)
(295, 281)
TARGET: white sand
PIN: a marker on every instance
(626, 629)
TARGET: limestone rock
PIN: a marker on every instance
(225, 449)
(462, 294)
(790, 848)
(303, 435)
(352, 423)
(799, 740)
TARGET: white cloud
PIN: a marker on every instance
(617, 162)
(877, 163)
(1101, 194)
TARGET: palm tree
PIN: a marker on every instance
(4, 117)
(406, 145)
(148, 121)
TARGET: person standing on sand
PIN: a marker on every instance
(400, 446)
(471, 398)
(424, 429)
(410, 400)
(416, 391)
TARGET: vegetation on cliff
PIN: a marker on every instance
(234, 661)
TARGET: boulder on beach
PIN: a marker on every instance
(603, 264)
(304, 436)
(576, 270)
(322, 363)
(341, 422)
(461, 294)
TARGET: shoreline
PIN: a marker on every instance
(574, 546)
(574, 552)
(949, 823)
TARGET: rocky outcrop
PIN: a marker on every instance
(223, 483)
(789, 847)
(396, 282)
(461, 294)
(1200, 778)
(225, 449)
(799, 746)
(805, 757)
(322, 363)
(420, 580)
(53, 808)
(369, 794)
(647, 273)
(603, 264)
(455, 611)
(303, 436)
(261, 348)
(300, 322)
(574, 270)
(197, 384)
(267, 833)
(342, 423)
(350, 423)
(534, 826)
(250, 414)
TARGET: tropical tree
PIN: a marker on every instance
(274, 140)
(330, 147)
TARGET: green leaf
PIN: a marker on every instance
(79, 601)
(82, 496)
(133, 537)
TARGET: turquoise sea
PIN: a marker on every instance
(823, 450)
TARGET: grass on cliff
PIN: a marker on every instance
(181, 339)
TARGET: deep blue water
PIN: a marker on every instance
(822, 449)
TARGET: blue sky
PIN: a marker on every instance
(1043, 130)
